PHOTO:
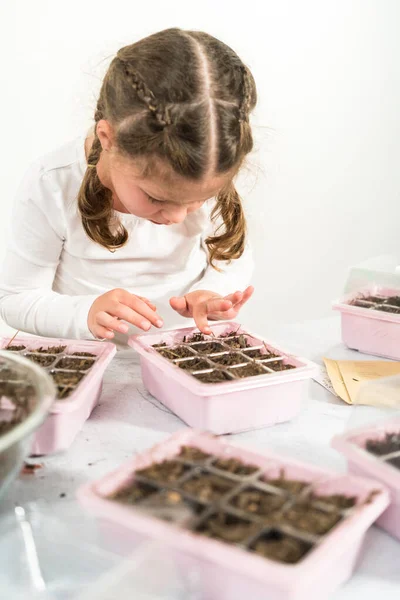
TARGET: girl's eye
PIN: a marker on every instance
(154, 201)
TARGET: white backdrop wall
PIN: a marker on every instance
(322, 187)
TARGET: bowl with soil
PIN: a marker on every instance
(77, 369)
(26, 395)
(371, 321)
(229, 381)
(374, 451)
(263, 526)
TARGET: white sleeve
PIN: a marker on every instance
(36, 239)
(233, 276)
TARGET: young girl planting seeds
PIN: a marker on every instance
(143, 209)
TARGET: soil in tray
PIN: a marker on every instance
(63, 392)
(250, 370)
(66, 378)
(75, 364)
(292, 486)
(306, 517)
(208, 347)
(389, 309)
(260, 354)
(229, 359)
(238, 341)
(207, 487)
(168, 471)
(227, 527)
(44, 360)
(279, 366)
(15, 348)
(85, 354)
(258, 502)
(234, 466)
(134, 493)
(381, 446)
(175, 352)
(281, 547)
(213, 377)
(171, 505)
(336, 501)
(195, 364)
(193, 454)
(395, 462)
(49, 350)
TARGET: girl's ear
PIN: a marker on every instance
(105, 134)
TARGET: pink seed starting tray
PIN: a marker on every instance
(371, 321)
(77, 368)
(190, 376)
(227, 529)
(374, 452)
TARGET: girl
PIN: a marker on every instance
(144, 209)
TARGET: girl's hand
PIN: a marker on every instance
(108, 312)
(202, 305)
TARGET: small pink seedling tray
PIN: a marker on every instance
(362, 462)
(367, 330)
(232, 572)
(67, 416)
(230, 406)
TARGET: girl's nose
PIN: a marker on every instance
(176, 214)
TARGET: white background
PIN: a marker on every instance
(321, 189)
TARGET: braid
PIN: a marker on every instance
(245, 104)
(144, 93)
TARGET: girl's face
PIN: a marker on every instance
(163, 200)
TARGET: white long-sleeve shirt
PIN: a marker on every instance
(53, 271)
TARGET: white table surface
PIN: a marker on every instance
(128, 420)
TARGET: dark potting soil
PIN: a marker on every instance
(15, 348)
(292, 486)
(207, 487)
(227, 527)
(386, 445)
(63, 392)
(395, 461)
(193, 454)
(208, 347)
(49, 350)
(279, 366)
(280, 547)
(306, 517)
(234, 466)
(134, 493)
(337, 501)
(250, 370)
(175, 352)
(195, 364)
(258, 502)
(76, 364)
(389, 309)
(229, 359)
(260, 354)
(213, 377)
(168, 471)
(43, 360)
(238, 341)
(85, 354)
(66, 378)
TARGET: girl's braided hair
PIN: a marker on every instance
(183, 97)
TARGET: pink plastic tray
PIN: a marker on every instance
(68, 415)
(361, 462)
(228, 572)
(230, 406)
(367, 330)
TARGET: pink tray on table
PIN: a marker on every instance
(67, 415)
(229, 571)
(229, 406)
(362, 462)
(369, 330)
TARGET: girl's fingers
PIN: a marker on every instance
(130, 316)
(200, 313)
(138, 306)
(218, 305)
(101, 332)
(235, 298)
(148, 302)
(111, 323)
(247, 294)
(180, 305)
